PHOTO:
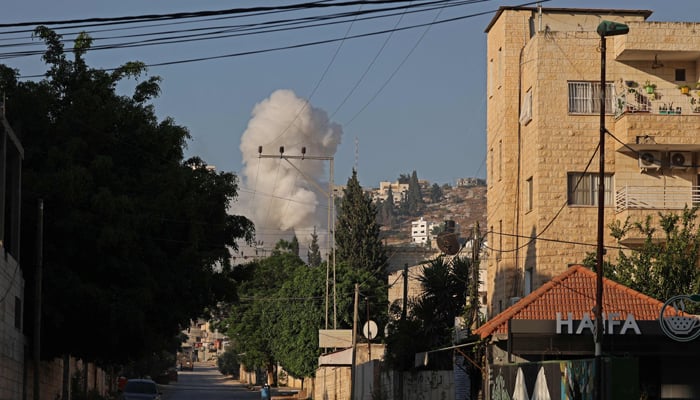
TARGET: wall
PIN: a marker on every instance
(51, 379)
(12, 340)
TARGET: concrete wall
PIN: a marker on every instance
(333, 383)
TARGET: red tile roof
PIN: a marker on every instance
(574, 291)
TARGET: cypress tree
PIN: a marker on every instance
(357, 231)
(314, 254)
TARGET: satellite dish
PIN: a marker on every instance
(369, 330)
(447, 243)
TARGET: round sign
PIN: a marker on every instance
(370, 329)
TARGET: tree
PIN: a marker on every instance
(436, 193)
(252, 324)
(414, 197)
(660, 269)
(279, 315)
(387, 210)
(360, 252)
(314, 253)
(357, 232)
(429, 322)
(299, 314)
(137, 240)
(291, 246)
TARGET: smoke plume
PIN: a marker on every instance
(283, 193)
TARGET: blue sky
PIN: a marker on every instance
(385, 104)
(412, 100)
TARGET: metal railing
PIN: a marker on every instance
(656, 198)
(665, 101)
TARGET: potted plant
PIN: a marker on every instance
(695, 108)
(649, 87)
(684, 88)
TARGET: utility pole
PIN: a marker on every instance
(37, 301)
(405, 292)
(354, 342)
(331, 216)
(474, 284)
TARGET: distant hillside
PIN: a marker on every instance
(465, 205)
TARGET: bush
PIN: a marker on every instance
(228, 363)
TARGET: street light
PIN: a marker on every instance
(605, 29)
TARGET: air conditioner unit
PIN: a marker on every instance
(681, 159)
(650, 159)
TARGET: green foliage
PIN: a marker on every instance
(314, 254)
(436, 194)
(280, 312)
(357, 232)
(659, 268)
(228, 363)
(291, 246)
(429, 323)
(137, 239)
(360, 253)
(387, 210)
(413, 204)
(299, 314)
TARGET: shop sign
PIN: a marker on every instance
(612, 324)
(680, 326)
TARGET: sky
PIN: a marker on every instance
(385, 95)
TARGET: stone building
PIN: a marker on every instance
(544, 130)
(12, 338)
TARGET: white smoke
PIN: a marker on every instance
(285, 195)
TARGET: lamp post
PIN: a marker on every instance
(605, 29)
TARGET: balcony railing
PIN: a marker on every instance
(666, 101)
(656, 198)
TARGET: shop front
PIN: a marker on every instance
(542, 347)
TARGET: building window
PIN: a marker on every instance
(528, 194)
(584, 97)
(582, 189)
(526, 109)
(680, 75)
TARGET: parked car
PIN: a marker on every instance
(186, 363)
(141, 389)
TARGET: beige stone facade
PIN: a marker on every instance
(543, 131)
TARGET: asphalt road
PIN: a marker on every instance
(207, 383)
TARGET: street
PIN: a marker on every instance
(206, 383)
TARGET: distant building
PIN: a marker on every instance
(420, 231)
(398, 191)
(470, 182)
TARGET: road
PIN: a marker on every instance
(207, 383)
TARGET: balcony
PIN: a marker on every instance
(656, 198)
(666, 101)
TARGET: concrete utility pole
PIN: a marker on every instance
(354, 341)
(331, 217)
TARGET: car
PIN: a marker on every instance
(186, 363)
(141, 389)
